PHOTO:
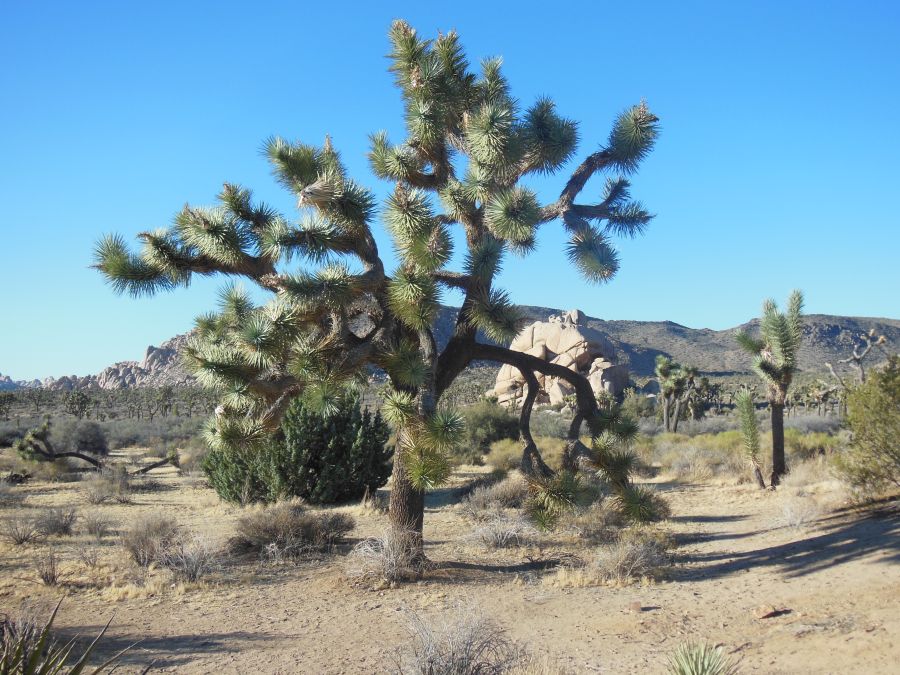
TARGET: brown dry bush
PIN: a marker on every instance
(20, 530)
(288, 530)
(112, 485)
(95, 524)
(387, 558)
(57, 522)
(148, 538)
(47, 567)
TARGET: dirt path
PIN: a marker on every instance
(838, 580)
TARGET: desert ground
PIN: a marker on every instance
(814, 593)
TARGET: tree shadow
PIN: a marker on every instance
(163, 651)
(707, 519)
(837, 541)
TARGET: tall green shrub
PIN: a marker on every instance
(486, 422)
(324, 459)
(872, 462)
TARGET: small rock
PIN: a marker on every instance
(769, 611)
(635, 606)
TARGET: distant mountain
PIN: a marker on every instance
(637, 343)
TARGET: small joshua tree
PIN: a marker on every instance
(456, 180)
(746, 410)
(775, 361)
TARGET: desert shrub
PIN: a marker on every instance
(806, 473)
(464, 643)
(191, 457)
(799, 511)
(637, 406)
(88, 555)
(388, 558)
(59, 471)
(486, 422)
(549, 423)
(148, 539)
(47, 566)
(633, 555)
(74, 435)
(507, 454)
(872, 462)
(509, 493)
(700, 659)
(10, 432)
(112, 484)
(641, 504)
(800, 446)
(323, 459)
(95, 524)
(598, 522)
(501, 530)
(813, 424)
(190, 557)
(57, 521)
(20, 530)
(288, 530)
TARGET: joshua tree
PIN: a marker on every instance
(775, 361)
(676, 385)
(77, 403)
(456, 182)
(746, 410)
(867, 342)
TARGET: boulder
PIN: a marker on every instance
(566, 340)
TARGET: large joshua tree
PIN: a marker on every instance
(774, 355)
(468, 147)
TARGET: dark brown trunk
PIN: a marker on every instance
(676, 416)
(407, 506)
(665, 411)
(757, 473)
(778, 465)
(532, 462)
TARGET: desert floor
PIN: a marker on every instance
(835, 582)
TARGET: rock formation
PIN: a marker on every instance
(563, 339)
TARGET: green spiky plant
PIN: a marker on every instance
(32, 652)
(457, 181)
(746, 410)
(701, 658)
(775, 354)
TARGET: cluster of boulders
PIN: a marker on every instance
(566, 340)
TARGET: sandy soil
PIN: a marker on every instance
(837, 581)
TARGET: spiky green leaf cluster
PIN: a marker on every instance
(775, 352)
(746, 411)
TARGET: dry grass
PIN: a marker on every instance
(96, 524)
(501, 530)
(511, 492)
(47, 566)
(798, 512)
(464, 642)
(57, 521)
(507, 454)
(387, 558)
(636, 555)
(191, 557)
(113, 485)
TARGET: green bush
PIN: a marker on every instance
(872, 462)
(324, 459)
(486, 422)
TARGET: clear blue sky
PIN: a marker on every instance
(777, 166)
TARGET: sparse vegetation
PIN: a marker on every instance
(190, 557)
(48, 568)
(500, 530)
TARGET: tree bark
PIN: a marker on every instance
(532, 462)
(778, 465)
(406, 507)
(665, 411)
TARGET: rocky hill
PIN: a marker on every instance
(636, 344)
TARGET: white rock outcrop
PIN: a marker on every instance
(565, 340)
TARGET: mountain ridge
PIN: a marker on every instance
(715, 353)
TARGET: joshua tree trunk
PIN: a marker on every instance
(407, 506)
(778, 465)
(532, 462)
(665, 411)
